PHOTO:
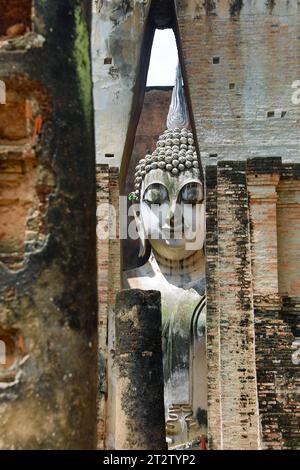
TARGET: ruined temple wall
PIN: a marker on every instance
(268, 337)
(48, 298)
(232, 390)
(240, 60)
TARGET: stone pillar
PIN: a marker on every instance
(48, 296)
(262, 179)
(139, 371)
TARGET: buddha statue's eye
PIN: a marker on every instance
(156, 194)
(191, 193)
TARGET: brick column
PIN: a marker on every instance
(288, 214)
(262, 178)
(238, 424)
(212, 312)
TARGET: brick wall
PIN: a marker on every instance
(251, 328)
(240, 65)
(233, 406)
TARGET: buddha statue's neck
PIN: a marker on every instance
(181, 273)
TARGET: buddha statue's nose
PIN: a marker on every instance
(172, 211)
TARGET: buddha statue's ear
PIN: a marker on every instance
(141, 232)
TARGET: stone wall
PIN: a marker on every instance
(232, 396)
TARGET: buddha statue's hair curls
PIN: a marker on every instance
(175, 152)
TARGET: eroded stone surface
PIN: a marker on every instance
(138, 362)
(118, 34)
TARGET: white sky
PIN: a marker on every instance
(164, 58)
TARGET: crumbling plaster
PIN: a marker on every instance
(117, 44)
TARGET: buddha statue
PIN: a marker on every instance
(170, 215)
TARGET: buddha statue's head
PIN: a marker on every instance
(169, 188)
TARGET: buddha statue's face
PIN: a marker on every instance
(172, 212)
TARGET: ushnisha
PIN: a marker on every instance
(175, 152)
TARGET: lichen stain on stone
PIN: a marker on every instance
(120, 11)
(270, 4)
(210, 6)
(83, 63)
(114, 73)
(235, 7)
(126, 22)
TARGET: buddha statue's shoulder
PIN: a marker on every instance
(143, 277)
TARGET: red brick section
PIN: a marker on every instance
(15, 16)
(25, 182)
(114, 245)
(109, 276)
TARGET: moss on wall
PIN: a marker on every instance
(83, 63)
